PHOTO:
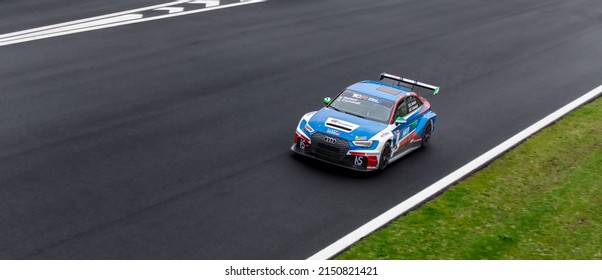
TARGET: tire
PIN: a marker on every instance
(385, 156)
(426, 135)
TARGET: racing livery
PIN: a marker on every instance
(368, 125)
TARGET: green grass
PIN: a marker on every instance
(541, 200)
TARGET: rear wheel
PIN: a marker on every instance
(426, 136)
(385, 156)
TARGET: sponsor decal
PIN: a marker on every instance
(350, 100)
(340, 124)
(406, 131)
(302, 144)
(384, 134)
(360, 138)
(370, 159)
(358, 161)
(412, 103)
(365, 97)
(333, 131)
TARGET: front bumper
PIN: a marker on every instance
(354, 160)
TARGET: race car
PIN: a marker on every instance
(368, 125)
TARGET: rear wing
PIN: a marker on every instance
(413, 83)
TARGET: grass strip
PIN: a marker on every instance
(541, 200)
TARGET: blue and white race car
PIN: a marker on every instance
(368, 125)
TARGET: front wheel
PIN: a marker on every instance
(385, 156)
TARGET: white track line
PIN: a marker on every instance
(59, 29)
(14, 34)
(348, 240)
(75, 27)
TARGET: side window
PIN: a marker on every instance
(413, 103)
(402, 109)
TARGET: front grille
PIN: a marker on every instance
(322, 147)
(328, 148)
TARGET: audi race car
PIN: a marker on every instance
(368, 125)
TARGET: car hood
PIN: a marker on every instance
(343, 125)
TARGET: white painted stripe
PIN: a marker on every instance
(348, 240)
(50, 32)
(75, 27)
(171, 10)
(208, 3)
(4, 36)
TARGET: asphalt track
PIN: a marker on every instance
(170, 139)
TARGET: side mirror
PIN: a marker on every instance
(399, 121)
(327, 100)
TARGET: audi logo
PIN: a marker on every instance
(330, 140)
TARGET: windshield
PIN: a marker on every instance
(363, 106)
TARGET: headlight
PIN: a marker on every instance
(363, 144)
(308, 128)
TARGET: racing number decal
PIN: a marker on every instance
(399, 135)
(397, 138)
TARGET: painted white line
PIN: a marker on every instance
(171, 10)
(348, 240)
(208, 3)
(7, 35)
(53, 31)
(75, 27)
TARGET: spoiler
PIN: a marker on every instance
(383, 75)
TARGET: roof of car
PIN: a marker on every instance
(379, 89)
